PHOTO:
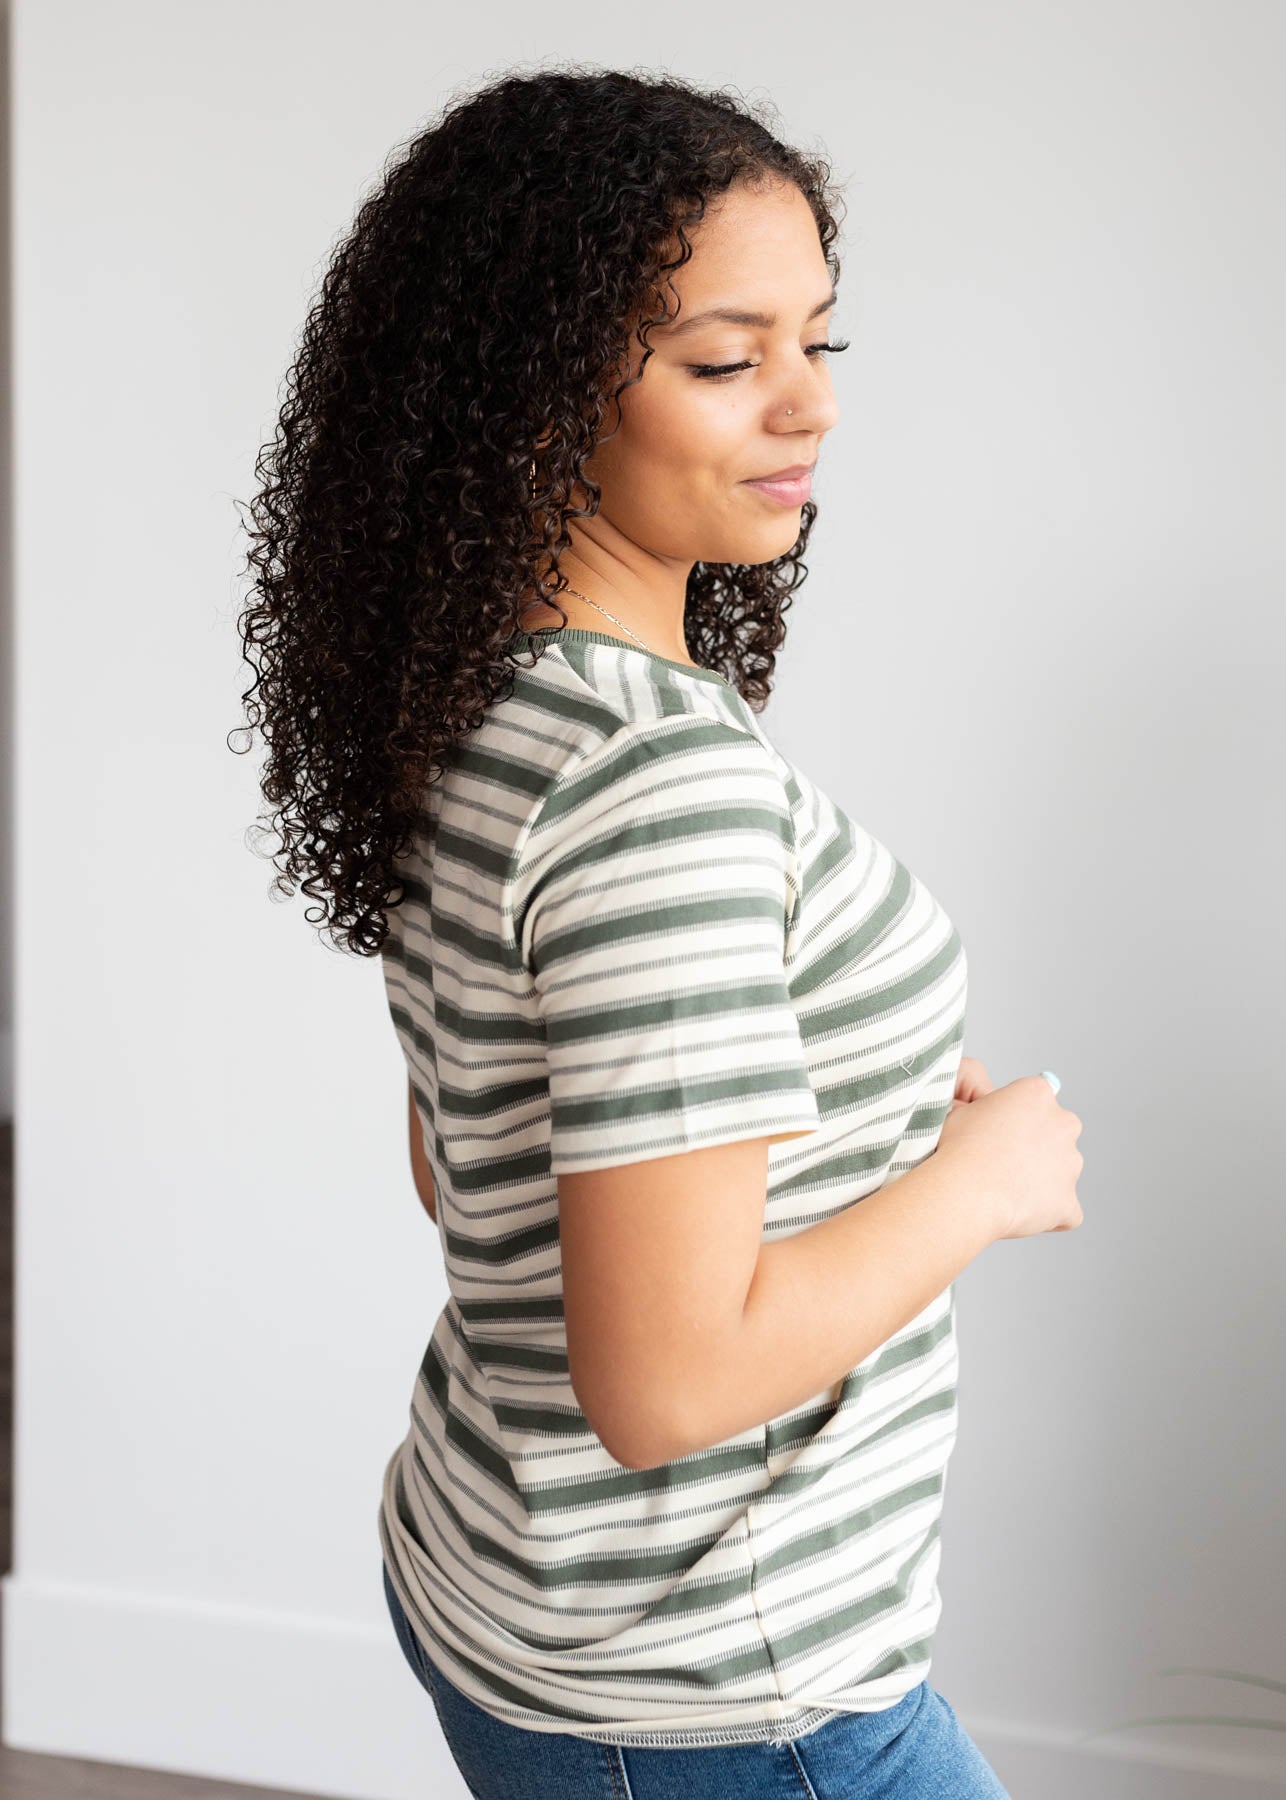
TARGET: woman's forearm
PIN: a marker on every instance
(821, 1301)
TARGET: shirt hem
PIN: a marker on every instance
(761, 1731)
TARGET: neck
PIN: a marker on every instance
(641, 591)
(540, 615)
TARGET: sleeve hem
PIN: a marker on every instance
(574, 1163)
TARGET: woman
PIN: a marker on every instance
(666, 1518)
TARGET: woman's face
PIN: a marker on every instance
(675, 476)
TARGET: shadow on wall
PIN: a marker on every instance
(1259, 1681)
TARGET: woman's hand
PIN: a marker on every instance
(972, 1082)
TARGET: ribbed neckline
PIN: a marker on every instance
(583, 634)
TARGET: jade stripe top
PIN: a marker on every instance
(629, 927)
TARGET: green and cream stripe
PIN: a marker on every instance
(631, 927)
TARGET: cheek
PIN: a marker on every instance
(685, 425)
(672, 468)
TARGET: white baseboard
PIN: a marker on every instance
(230, 1693)
(1047, 1765)
(241, 1694)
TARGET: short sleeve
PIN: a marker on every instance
(653, 903)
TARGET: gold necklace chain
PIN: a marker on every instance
(611, 616)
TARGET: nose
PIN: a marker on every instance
(806, 408)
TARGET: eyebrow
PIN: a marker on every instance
(731, 315)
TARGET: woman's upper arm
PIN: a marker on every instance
(657, 1259)
(654, 910)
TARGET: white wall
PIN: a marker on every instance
(1040, 654)
(7, 944)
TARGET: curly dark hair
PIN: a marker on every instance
(478, 315)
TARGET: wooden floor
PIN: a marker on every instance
(24, 1776)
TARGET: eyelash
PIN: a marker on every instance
(722, 371)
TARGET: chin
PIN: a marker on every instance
(750, 547)
(765, 550)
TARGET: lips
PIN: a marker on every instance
(790, 474)
(789, 487)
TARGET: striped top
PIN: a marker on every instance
(631, 927)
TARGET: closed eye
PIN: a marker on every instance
(721, 371)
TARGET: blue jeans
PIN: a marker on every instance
(916, 1750)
